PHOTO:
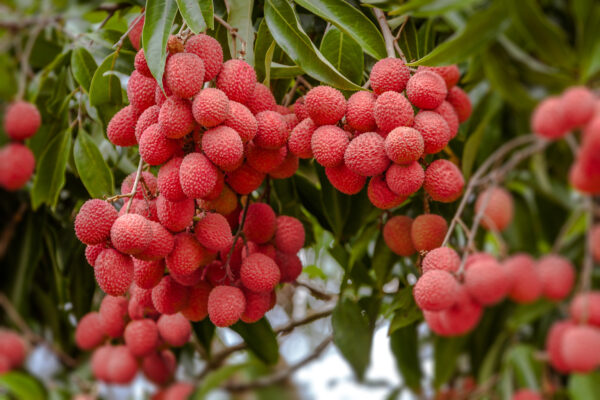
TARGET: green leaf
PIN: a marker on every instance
(83, 66)
(207, 12)
(584, 387)
(527, 313)
(160, 15)
(482, 28)
(263, 43)
(205, 331)
(93, 171)
(430, 8)
(22, 386)
(351, 22)
(240, 17)
(280, 71)
(405, 348)
(50, 171)
(352, 335)
(335, 204)
(446, 352)
(405, 310)
(382, 262)
(268, 60)
(289, 35)
(492, 358)
(344, 53)
(192, 15)
(213, 380)
(260, 338)
(527, 369)
(105, 87)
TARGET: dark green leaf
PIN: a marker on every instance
(213, 380)
(527, 369)
(205, 331)
(492, 359)
(240, 17)
(279, 71)
(105, 87)
(405, 310)
(445, 355)
(383, 261)
(527, 313)
(430, 8)
(83, 66)
(260, 338)
(352, 335)
(335, 204)
(160, 15)
(584, 387)
(405, 347)
(192, 15)
(289, 35)
(93, 171)
(351, 22)
(344, 53)
(22, 386)
(50, 175)
(261, 46)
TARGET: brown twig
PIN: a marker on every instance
(387, 33)
(287, 99)
(10, 228)
(121, 40)
(233, 32)
(138, 174)
(304, 82)
(319, 294)
(229, 273)
(24, 60)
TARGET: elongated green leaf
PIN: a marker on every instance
(29, 253)
(50, 175)
(105, 87)
(215, 379)
(527, 369)
(192, 15)
(350, 21)
(261, 47)
(268, 61)
(83, 66)
(279, 71)
(405, 310)
(584, 387)
(240, 17)
(93, 171)
(160, 15)
(352, 335)
(527, 313)
(335, 204)
(207, 12)
(204, 330)
(344, 53)
(289, 35)
(260, 338)
(22, 386)
(383, 261)
(405, 348)
(430, 8)
(446, 352)
(481, 29)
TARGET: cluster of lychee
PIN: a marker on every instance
(21, 121)
(378, 135)
(13, 351)
(578, 108)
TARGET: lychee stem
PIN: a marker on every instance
(235, 239)
(387, 33)
(135, 185)
(117, 46)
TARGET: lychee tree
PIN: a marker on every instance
(176, 171)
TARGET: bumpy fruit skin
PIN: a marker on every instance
(241, 120)
(580, 348)
(487, 282)
(359, 111)
(175, 215)
(264, 160)
(147, 186)
(113, 311)
(187, 255)
(554, 341)
(114, 272)
(210, 107)
(443, 258)
(325, 105)
(405, 180)
(237, 79)
(94, 221)
(396, 234)
(122, 365)
(462, 317)
(257, 304)
(261, 99)
(141, 337)
(498, 213)
(300, 109)
(176, 117)
(223, 146)
(99, 362)
(578, 104)
(443, 181)
(209, 50)
(147, 274)
(290, 266)
(155, 148)
(548, 119)
(272, 130)
(389, 74)
(197, 175)
(287, 168)
(345, 180)
(450, 116)
(260, 224)
(225, 204)
(16, 166)
(428, 231)
(121, 128)
(226, 304)
(213, 232)
(174, 329)
(89, 333)
(140, 91)
(426, 90)
(159, 367)
(131, 234)
(147, 118)
(188, 280)
(184, 74)
(328, 144)
(434, 129)
(289, 236)
(585, 308)
(299, 141)
(168, 180)
(92, 252)
(435, 290)
(557, 275)
(380, 194)
(197, 306)
(392, 110)
(259, 273)
(449, 73)
(141, 65)
(404, 145)
(21, 120)
(245, 179)
(365, 155)
(135, 32)
(461, 103)
(526, 285)
(169, 297)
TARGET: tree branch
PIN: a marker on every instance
(229, 274)
(135, 185)
(387, 33)
(10, 228)
(319, 294)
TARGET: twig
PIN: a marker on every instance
(387, 33)
(24, 60)
(234, 32)
(121, 40)
(306, 320)
(135, 185)
(588, 261)
(229, 274)
(366, 84)
(304, 82)
(280, 375)
(560, 238)
(287, 99)
(466, 230)
(10, 228)
(21, 23)
(397, 37)
(319, 294)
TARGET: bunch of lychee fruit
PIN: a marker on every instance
(13, 350)
(17, 162)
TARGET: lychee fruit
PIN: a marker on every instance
(210, 107)
(122, 365)
(396, 234)
(99, 362)
(174, 329)
(259, 273)
(345, 180)
(168, 180)
(175, 215)
(17, 163)
(392, 110)
(141, 337)
(223, 146)
(404, 145)
(169, 297)
(498, 212)
(289, 235)
(184, 74)
(92, 252)
(140, 91)
(580, 348)
(389, 74)
(585, 308)
(113, 311)
(300, 109)
(261, 99)
(197, 175)
(131, 233)
(578, 104)
(449, 73)
(299, 141)
(140, 64)
(272, 130)
(89, 333)
(197, 305)
(365, 155)
(237, 80)
(328, 144)
(187, 255)
(21, 120)
(260, 223)
(121, 128)
(265, 160)
(554, 343)
(242, 121)
(461, 103)
(287, 168)
(213, 232)
(557, 275)
(257, 304)
(135, 31)
(450, 116)
(426, 90)
(290, 266)
(405, 180)
(147, 118)
(226, 304)
(428, 231)
(487, 282)
(443, 181)
(155, 148)
(434, 129)
(526, 285)
(380, 194)
(159, 367)
(114, 272)
(443, 258)
(94, 221)
(147, 274)
(359, 111)
(147, 185)
(435, 290)
(209, 50)
(245, 179)
(176, 117)
(325, 105)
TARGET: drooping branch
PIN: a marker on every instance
(387, 33)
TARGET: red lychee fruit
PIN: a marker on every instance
(359, 111)
(259, 273)
(300, 109)
(226, 304)
(428, 231)
(148, 118)
(443, 258)
(237, 80)
(328, 144)
(131, 234)
(257, 304)
(89, 333)
(168, 180)
(159, 367)
(557, 275)
(99, 362)
(242, 121)
(462, 317)
(223, 146)
(141, 337)
(289, 236)
(345, 180)
(287, 168)
(450, 116)
(175, 215)
(380, 194)
(92, 252)
(290, 266)
(449, 73)
(264, 160)
(121, 128)
(405, 180)
(17, 163)
(272, 130)
(135, 31)
(580, 348)
(197, 306)
(187, 255)
(245, 179)
(526, 394)
(147, 186)
(210, 107)
(404, 145)
(260, 223)
(114, 272)
(225, 204)
(595, 242)
(461, 103)
(113, 311)
(12, 348)
(578, 104)
(487, 282)
(174, 329)
(443, 181)
(261, 99)
(176, 117)
(299, 141)
(365, 155)
(94, 221)
(498, 213)
(209, 50)
(197, 175)
(140, 91)
(147, 274)
(585, 308)
(554, 343)
(191, 279)
(548, 119)
(325, 105)
(389, 74)
(392, 110)
(155, 148)
(426, 90)
(169, 297)
(434, 129)
(141, 65)
(184, 74)
(21, 120)
(213, 232)
(526, 285)
(122, 365)
(396, 233)
(178, 391)
(435, 290)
